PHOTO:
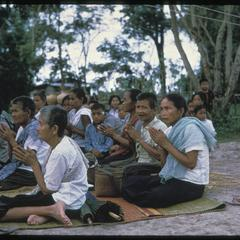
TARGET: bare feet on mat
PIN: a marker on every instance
(58, 212)
(36, 220)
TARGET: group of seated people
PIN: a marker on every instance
(55, 144)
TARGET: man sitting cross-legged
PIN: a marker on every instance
(146, 148)
(16, 174)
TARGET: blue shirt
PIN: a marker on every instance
(113, 122)
(96, 140)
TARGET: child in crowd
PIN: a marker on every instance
(200, 112)
(190, 108)
(40, 100)
(206, 94)
(122, 114)
(114, 102)
(63, 100)
(96, 142)
(196, 100)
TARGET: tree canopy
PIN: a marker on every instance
(38, 35)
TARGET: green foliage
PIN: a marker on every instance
(18, 62)
(122, 65)
(227, 125)
(144, 23)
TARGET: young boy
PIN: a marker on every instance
(190, 108)
(200, 112)
(96, 142)
(122, 114)
(206, 94)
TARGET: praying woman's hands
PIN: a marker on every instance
(26, 156)
(158, 137)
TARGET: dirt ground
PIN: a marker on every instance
(224, 184)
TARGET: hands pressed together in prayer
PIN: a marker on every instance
(158, 136)
(108, 131)
(7, 134)
(26, 156)
(130, 130)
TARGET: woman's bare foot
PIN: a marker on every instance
(36, 220)
(58, 212)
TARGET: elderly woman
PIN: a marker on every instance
(62, 183)
(185, 151)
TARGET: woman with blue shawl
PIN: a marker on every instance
(184, 151)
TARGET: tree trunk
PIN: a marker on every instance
(160, 53)
(228, 58)
(233, 79)
(179, 46)
(218, 70)
(59, 42)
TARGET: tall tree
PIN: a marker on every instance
(123, 66)
(212, 29)
(147, 22)
(18, 47)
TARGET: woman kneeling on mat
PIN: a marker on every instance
(185, 150)
(62, 184)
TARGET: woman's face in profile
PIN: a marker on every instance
(169, 113)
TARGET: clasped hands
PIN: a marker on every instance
(106, 130)
(6, 133)
(27, 156)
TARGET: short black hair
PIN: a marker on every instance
(198, 108)
(111, 98)
(178, 101)
(27, 104)
(134, 93)
(97, 106)
(203, 80)
(80, 93)
(196, 94)
(41, 94)
(150, 97)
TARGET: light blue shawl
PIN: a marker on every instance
(179, 137)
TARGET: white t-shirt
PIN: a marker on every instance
(208, 123)
(199, 174)
(66, 173)
(40, 146)
(142, 155)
